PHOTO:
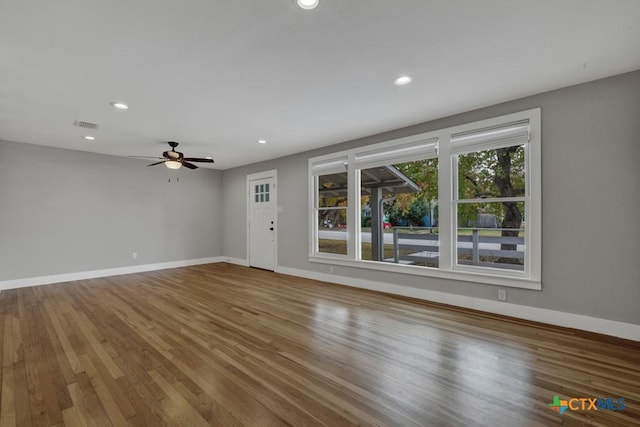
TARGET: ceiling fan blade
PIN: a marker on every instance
(196, 159)
(144, 157)
(157, 163)
(189, 165)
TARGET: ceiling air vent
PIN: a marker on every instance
(86, 125)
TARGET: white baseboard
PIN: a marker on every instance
(614, 328)
(68, 277)
(236, 261)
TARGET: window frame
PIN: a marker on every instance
(317, 209)
(446, 153)
(457, 201)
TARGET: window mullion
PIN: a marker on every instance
(353, 213)
(445, 203)
(314, 217)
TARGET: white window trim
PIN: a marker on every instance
(530, 279)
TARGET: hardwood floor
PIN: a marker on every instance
(232, 346)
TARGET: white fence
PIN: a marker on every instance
(420, 245)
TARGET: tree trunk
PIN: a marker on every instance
(512, 215)
(331, 218)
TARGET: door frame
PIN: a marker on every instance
(273, 173)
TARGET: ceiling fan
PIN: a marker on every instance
(175, 160)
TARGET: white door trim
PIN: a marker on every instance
(273, 173)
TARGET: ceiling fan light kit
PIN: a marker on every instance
(172, 164)
(173, 159)
(308, 4)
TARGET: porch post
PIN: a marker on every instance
(377, 232)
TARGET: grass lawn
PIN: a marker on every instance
(340, 247)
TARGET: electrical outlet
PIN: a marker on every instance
(134, 255)
(502, 294)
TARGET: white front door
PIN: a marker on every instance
(262, 223)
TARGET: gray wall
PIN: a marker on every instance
(65, 211)
(591, 186)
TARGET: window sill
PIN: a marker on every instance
(466, 276)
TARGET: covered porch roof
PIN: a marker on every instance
(388, 178)
(376, 182)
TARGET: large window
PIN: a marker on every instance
(491, 197)
(461, 202)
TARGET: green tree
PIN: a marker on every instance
(336, 217)
(395, 212)
(491, 174)
(417, 210)
(425, 174)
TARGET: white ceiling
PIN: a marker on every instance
(217, 75)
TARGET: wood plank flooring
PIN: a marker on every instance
(232, 346)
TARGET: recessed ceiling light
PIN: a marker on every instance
(90, 138)
(308, 4)
(119, 105)
(403, 80)
(262, 141)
